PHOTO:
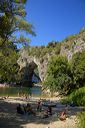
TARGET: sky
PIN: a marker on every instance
(54, 20)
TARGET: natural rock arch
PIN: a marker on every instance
(28, 64)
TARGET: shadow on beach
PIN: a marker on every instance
(10, 119)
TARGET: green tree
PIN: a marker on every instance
(58, 75)
(78, 69)
(8, 64)
(12, 19)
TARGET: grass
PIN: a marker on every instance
(14, 91)
(77, 97)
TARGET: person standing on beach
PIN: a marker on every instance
(39, 107)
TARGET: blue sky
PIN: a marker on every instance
(55, 19)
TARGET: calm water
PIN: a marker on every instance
(37, 91)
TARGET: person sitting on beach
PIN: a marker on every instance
(63, 115)
(19, 109)
(24, 108)
(29, 109)
(46, 115)
(49, 110)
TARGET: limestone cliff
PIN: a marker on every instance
(38, 57)
(30, 63)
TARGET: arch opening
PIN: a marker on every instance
(30, 74)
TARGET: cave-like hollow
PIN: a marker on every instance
(30, 74)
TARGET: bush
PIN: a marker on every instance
(81, 117)
(78, 69)
(77, 97)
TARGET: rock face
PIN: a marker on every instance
(29, 63)
(77, 46)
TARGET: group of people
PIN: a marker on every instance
(47, 112)
(25, 109)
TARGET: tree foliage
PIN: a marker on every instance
(78, 68)
(66, 76)
(58, 74)
(12, 19)
(8, 64)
